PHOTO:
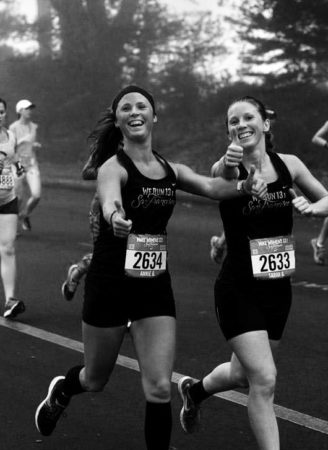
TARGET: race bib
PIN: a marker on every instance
(146, 255)
(6, 180)
(273, 258)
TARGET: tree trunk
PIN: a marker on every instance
(44, 27)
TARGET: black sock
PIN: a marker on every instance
(72, 385)
(198, 393)
(158, 425)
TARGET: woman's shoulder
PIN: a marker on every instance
(112, 166)
(13, 126)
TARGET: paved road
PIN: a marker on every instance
(113, 420)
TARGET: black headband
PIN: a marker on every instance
(129, 89)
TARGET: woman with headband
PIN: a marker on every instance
(128, 278)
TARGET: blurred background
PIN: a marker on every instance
(70, 57)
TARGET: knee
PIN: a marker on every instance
(157, 390)
(264, 383)
(8, 249)
(240, 379)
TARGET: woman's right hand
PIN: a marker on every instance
(121, 226)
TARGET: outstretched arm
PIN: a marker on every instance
(218, 188)
(111, 177)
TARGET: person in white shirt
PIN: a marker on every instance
(8, 217)
(25, 132)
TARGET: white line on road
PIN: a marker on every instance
(307, 284)
(287, 414)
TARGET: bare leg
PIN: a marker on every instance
(101, 347)
(8, 227)
(154, 340)
(33, 180)
(254, 353)
(323, 235)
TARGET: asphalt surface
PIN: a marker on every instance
(113, 420)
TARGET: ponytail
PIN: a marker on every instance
(105, 139)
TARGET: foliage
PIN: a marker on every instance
(290, 35)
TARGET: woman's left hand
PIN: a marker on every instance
(301, 204)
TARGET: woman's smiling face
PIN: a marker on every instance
(135, 116)
(249, 125)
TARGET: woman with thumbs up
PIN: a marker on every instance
(128, 278)
(253, 289)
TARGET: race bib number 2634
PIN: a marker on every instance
(146, 255)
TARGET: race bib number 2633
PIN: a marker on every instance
(146, 255)
(273, 258)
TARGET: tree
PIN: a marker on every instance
(292, 36)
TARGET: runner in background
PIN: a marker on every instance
(29, 186)
(8, 216)
(318, 243)
(253, 289)
(78, 270)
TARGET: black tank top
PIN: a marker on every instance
(148, 203)
(247, 218)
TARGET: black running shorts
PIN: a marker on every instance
(10, 207)
(111, 301)
(252, 305)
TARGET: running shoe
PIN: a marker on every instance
(190, 412)
(69, 286)
(26, 224)
(13, 307)
(50, 410)
(218, 247)
(318, 252)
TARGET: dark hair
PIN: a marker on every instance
(266, 113)
(133, 88)
(105, 139)
(4, 102)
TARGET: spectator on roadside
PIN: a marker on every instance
(25, 132)
(253, 289)
(8, 216)
(128, 278)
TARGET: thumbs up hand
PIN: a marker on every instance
(301, 204)
(234, 153)
(254, 185)
(121, 226)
